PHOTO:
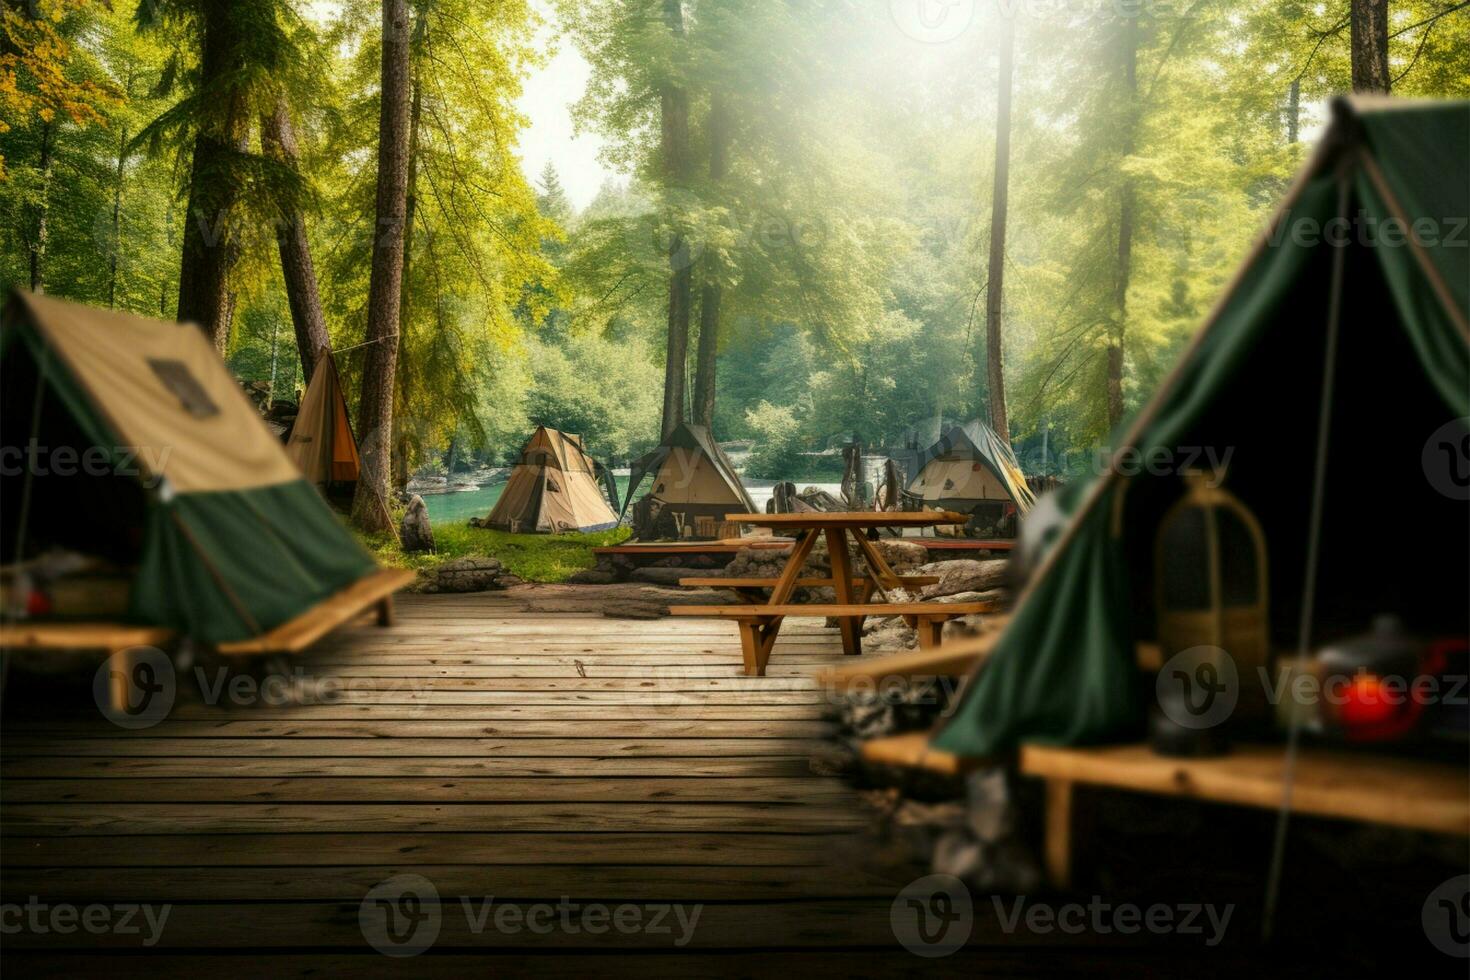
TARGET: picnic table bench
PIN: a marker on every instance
(759, 617)
(373, 592)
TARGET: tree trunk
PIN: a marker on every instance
(706, 357)
(278, 141)
(117, 198)
(1123, 268)
(1293, 111)
(42, 210)
(674, 126)
(405, 379)
(1370, 46)
(994, 283)
(375, 407)
(210, 246)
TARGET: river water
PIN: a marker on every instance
(460, 506)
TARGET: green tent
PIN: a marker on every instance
(148, 454)
(1370, 249)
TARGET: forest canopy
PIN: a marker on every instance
(810, 208)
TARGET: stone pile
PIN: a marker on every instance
(474, 573)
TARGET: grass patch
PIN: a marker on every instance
(532, 557)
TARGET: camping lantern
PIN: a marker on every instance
(1211, 583)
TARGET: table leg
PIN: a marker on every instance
(757, 637)
(930, 630)
(385, 611)
(120, 663)
(786, 584)
(851, 626)
(1059, 832)
(878, 569)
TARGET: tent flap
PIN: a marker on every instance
(1064, 670)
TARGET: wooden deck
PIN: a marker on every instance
(539, 758)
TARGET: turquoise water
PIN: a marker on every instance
(457, 508)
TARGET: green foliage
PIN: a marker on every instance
(849, 233)
(778, 440)
(532, 557)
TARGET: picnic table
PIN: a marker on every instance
(759, 619)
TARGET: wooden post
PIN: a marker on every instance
(385, 611)
(851, 628)
(120, 666)
(1059, 832)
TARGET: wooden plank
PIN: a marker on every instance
(873, 673)
(692, 708)
(218, 787)
(654, 550)
(17, 637)
(437, 748)
(312, 727)
(911, 750)
(314, 850)
(965, 544)
(689, 882)
(854, 518)
(809, 583)
(948, 610)
(98, 819)
(979, 958)
(298, 633)
(127, 768)
(1397, 791)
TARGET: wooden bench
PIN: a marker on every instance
(759, 623)
(113, 639)
(953, 659)
(750, 589)
(911, 750)
(1391, 790)
(373, 590)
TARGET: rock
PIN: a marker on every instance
(658, 575)
(832, 759)
(591, 576)
(474, 573)
(902, 556)
(989, 595)
(416, 534)
(508, 581)
(966, 575)
(889, 635)
(634, 609)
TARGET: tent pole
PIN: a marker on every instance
(1314, 548)
(26, 484)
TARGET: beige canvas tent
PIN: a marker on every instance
(692, 476)
(172, 475)
(553, 489)
(972, 470)
(321, 442)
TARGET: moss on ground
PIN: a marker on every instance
(532, 557)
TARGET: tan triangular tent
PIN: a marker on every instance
(321, 443)
(970, 465)
(691, 475)
(553, 489)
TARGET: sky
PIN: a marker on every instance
(546, 101)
